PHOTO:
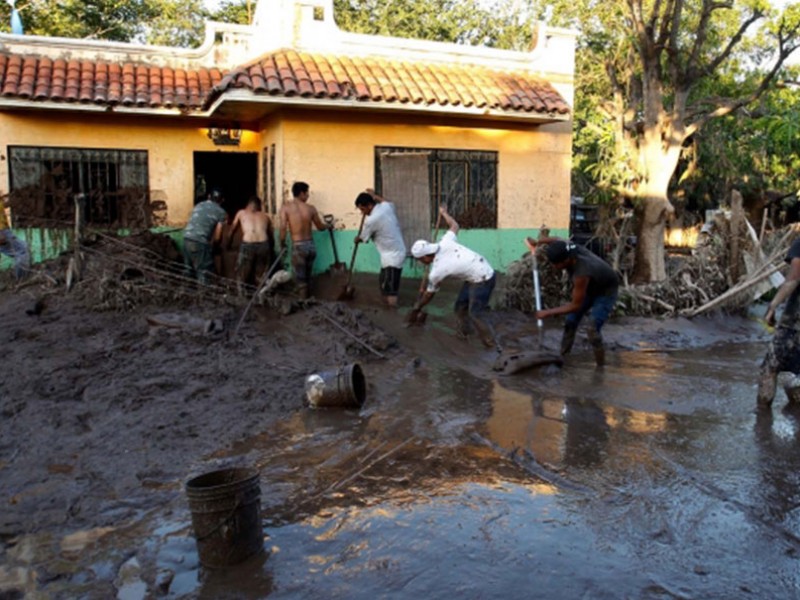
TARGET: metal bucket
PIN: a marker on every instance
(343, 388)
(226, 516)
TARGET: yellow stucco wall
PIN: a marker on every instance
(170, 142)
(335, 155)
(333, 152)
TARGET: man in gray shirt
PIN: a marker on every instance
(202, 231)
(594, 290)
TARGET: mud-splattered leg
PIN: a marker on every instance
(767, 379)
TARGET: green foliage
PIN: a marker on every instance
(474, 22)
(169, 22)
(234, 11)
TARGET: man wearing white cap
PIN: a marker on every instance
(448, 258)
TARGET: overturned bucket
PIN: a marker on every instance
(226, 516)
(344, 388)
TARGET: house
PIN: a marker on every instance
(143, 131)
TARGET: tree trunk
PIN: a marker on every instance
(651, 219)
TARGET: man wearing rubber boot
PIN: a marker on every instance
(594, 290)
(783, 354)
(448, 258)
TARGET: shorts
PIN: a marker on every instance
(303, 255)
(389, 280)
(785, 351)
(252, 260)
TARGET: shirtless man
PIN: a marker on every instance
(297, 217)
(255, 251)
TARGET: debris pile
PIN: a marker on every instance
(706, 278)
(518, 291)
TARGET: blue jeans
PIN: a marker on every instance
(471, 308)
(15, 248)
(198, 258)
(600, 307)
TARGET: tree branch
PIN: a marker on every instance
(694, 71)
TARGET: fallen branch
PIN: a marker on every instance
(734, 291)
(333, 322)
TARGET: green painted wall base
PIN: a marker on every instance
(500, 247)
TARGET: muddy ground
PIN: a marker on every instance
(450, 479)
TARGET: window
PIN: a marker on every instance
(44, 183)
(463, 180)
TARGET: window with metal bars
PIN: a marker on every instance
(463, 180)
(113, 185)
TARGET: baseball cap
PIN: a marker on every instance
(559, 251)
(422, 248)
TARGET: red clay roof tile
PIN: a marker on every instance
(370, 80)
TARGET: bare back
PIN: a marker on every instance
(299, 217)
(256, 225)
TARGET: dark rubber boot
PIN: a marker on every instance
(567, 339)
(596, 340)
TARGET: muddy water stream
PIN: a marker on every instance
(650, 478)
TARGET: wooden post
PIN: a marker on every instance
(737, 215)
(76, 265)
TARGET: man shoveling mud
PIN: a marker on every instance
(784, 350)
(594, 290)
(381, 225)
(449, 258)
(297, 218)
(202, 233)
(256, 248)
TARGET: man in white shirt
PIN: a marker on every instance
(381, 226)
(448, 258)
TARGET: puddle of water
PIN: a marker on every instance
(664, 484)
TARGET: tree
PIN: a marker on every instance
(470, 22)
(643, 66)
(169, 22)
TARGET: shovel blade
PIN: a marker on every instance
(347, 293)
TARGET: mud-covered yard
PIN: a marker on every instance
(105, 415)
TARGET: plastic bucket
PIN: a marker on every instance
(345, 388)
(226, 516)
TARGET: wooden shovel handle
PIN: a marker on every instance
(355, 249)
(424, 281)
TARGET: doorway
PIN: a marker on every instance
(235, 174)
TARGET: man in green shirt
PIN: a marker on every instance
(201, 233)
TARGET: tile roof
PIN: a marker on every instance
(284, 73)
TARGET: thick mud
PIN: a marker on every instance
(650, 478)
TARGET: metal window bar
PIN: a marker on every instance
(45, 180)
(464, 180)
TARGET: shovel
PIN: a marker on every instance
(349, 291)
(420, 317)
(337, 265)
